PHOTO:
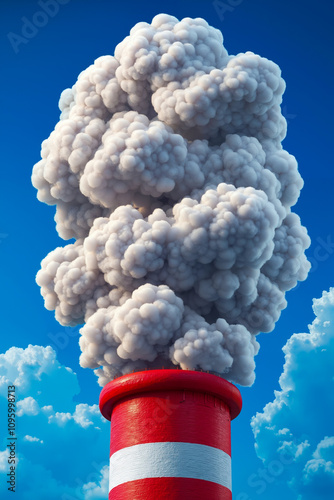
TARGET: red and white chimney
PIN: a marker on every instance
(170, 435)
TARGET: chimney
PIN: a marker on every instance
(170, 435)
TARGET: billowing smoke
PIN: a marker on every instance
(167, 169)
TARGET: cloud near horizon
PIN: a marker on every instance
(62, 446)
(296, 429)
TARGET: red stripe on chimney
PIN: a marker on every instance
(177, 488)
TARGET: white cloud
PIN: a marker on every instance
(85, 415)
(48, 409)
(93, 491)
(324, 447)
(3, 461)
(298, 424)
(60, 419)
(33, 439)
(27, 406)
(35, 370)
(52, 433)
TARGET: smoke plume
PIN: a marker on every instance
(167, 169)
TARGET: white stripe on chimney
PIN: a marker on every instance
(167, 459)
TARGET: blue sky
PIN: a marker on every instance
(36, 68)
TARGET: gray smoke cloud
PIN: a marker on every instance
(167, 169)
